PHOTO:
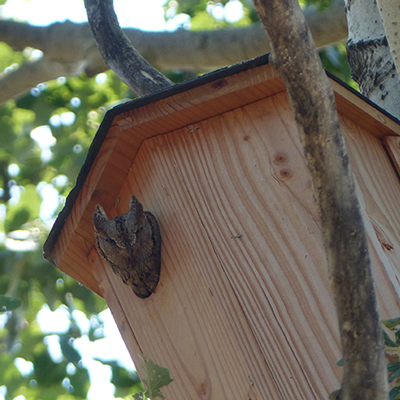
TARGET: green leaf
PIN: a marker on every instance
(388, 341)
(28, 208)
(121, 377)
(156, 377)
(393, 368)
(321, 5)
(394, 393)
(8, 303)
(80, 381)
(47, 372)
(68, 350)
(391, 323)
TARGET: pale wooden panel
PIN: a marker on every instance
(204, 101)
(363, 114)
(184, 326)
(379, 194)
(129, 129)
(243, 251)
(73, 265)
(119, 148)
(249, 179)
(248, 303)
(106, 177)
(392, 144)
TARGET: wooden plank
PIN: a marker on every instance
(365, 115)
(121, 144)
(183, 325)
(205, 101)
(243, 252)
(379, 193)
(129, 129)
(249, 179)
(245, 297)
(392, 144)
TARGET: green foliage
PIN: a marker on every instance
(24, 274)
(9, 58)
(156, 378)
(203, 17)
(392, 343)
(321, 5)
(25, 210)
(8, 303)
(334, 59)
(46, 371)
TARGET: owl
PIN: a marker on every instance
(131, 245)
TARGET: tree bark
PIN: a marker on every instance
(119, 54)
(313, 104)
(369, 55)
(390, 14)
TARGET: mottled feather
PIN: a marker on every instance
(131, 245)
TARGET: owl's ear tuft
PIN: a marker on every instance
(100, 211)
(100, 219)
(135, 209)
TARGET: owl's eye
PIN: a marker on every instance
(138, 230)
(109, 240)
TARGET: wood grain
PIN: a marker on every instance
(130, 129)
(379, 194)
(243, 309)
(392, 144)
(221, 181)
(362, 113)
(243, 260)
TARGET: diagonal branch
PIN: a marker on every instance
(119, 53)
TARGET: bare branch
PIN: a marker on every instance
(313, 104)
(181, 49)
(118, 52)
(199, 51)
(19, 81)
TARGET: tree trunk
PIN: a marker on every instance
(295, 57)
(390, 11)
(369, 55)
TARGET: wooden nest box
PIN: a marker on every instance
(242, 310)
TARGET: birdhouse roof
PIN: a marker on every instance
(111, 155)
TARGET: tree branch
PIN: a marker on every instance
(118, 52)
(19, 81)
(313, 104)
(73, 45)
